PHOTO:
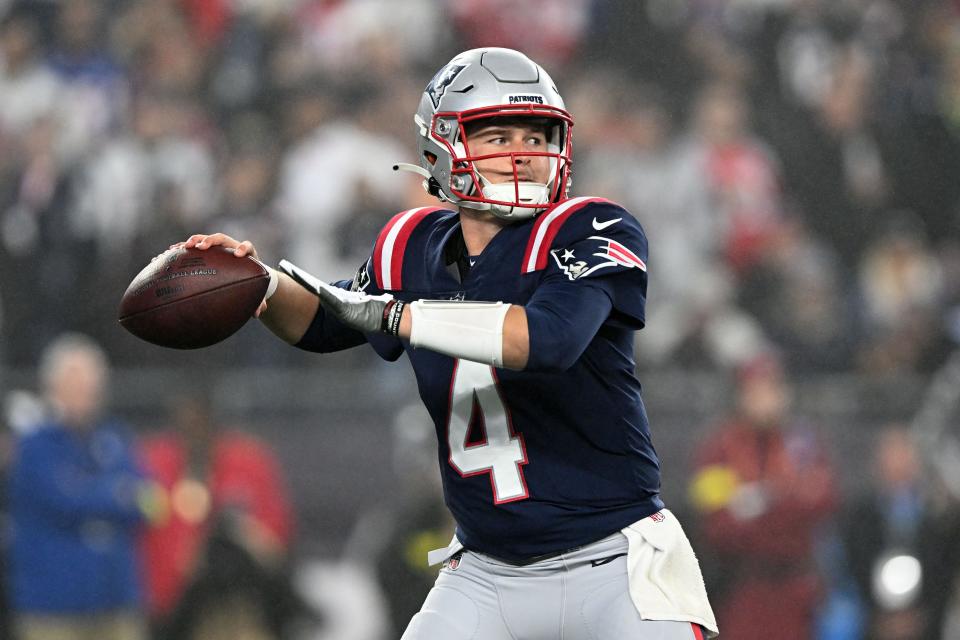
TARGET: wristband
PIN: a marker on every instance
(392, 314)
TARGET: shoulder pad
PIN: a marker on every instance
(581, 219)
(387, 260)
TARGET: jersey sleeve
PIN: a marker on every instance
(593, 273)
(385, 271)
(327, 334)
(603, 246)
(561, 322)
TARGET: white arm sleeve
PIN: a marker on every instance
(467, 330)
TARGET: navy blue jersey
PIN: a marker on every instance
(557, 455)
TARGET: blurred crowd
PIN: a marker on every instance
(795, 163)
(186, 531)
(179, 534)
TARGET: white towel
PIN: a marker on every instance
(665, 578)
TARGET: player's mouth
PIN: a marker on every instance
(498, 176)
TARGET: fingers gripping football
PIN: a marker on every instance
(203, 241)
(240, 249)
(353, 308)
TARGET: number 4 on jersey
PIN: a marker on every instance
(502, 452)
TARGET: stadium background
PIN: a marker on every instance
(795, 163)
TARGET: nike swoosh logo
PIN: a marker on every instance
(608, 560)
(600, 226)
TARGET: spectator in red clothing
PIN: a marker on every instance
(222, 486)
(742, 174)
(763, 486)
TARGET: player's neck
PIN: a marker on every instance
(478, 228)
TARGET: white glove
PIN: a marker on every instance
(355, 309)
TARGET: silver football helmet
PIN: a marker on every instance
(477, 85)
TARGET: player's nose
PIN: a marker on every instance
(518, 142)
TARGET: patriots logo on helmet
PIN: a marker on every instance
(443, 79)
(610, 252)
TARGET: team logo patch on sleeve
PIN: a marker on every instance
(619, 254)
(598, 253)
(568, 263)
(362, 278)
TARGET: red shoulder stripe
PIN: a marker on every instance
(545, 229)
(391, 245)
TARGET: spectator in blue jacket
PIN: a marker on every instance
(77, 499)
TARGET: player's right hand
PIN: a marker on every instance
(240, 249)
(204, 241)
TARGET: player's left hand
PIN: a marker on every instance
(355, 309)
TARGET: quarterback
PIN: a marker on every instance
(516, 305)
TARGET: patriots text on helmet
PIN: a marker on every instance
(524, 99)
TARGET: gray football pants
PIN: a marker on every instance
(578, 595)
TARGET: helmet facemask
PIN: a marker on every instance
(514, 199)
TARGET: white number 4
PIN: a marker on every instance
(502, 452)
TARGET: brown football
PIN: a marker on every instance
(187, 298)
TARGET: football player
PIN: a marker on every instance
(516, 306)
